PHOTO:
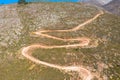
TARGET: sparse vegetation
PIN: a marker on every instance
(16, 33)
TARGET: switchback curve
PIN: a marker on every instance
(84, 73)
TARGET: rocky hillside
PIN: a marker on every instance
(19, 21)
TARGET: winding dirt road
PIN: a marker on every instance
(84, 73)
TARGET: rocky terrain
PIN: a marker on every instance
(19, 22)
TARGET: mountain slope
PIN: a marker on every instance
(97, 2)
(99, 58)
(113, 6)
